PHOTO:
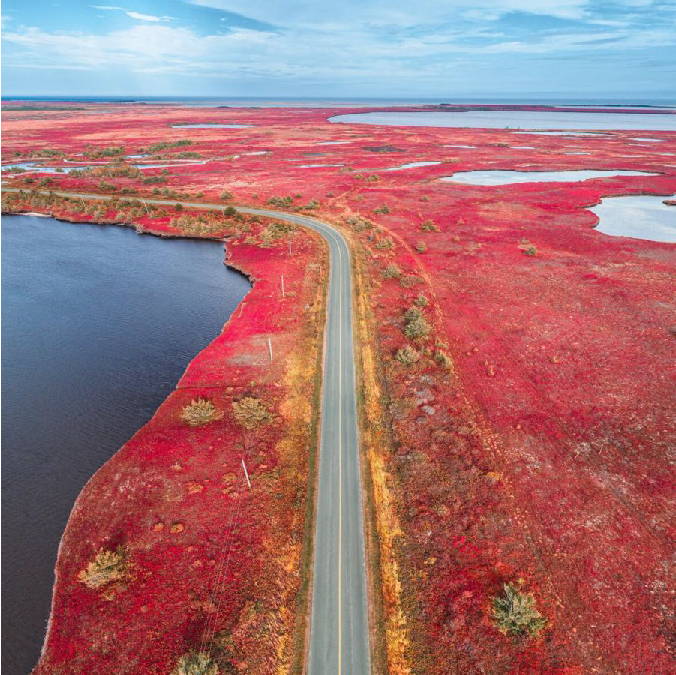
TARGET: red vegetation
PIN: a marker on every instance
(537, 453)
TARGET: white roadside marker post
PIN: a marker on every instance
(246, 474)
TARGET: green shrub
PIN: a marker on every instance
(421, 247)
(407, 355)
(416, 327)
(281, 201)
(392, 271)
(514, 613)
(157, 147)
(113, 151)
(421, 301)
(195, 663)
(359, 224)
(107, 566)
(385, 244)
(200, 411)
(384, 209)
(225, 196)
(250, 412)
(275, 231)
(412, 314)
(409, 280)
(429, 226)
(442, 358)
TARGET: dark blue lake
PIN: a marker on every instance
(98, 324)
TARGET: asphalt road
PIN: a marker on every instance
(339, 635)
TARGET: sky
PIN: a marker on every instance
(438, 49)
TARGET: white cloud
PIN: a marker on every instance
(398, 47)
(133, 15)
(384, 12)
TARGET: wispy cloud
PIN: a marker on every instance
(132, 14)
(359, 43)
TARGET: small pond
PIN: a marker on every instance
(411, 165)
(510, 177)
(515, 119)
(637, 216)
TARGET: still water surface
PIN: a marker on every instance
(638, 216)
(496, 177)
(515, 119)
(98, 324)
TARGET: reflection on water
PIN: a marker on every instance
(98, 324)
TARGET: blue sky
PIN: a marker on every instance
(340, 48)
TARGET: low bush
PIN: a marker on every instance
(442, 358)
(514, 613)
(281, 201)
(200, 411)
(107, 567)
(112, 151)
(157, 147)
(407, 355)
(392, 271)
(415, 324)
(250, 412)
(196, 663)
(409, 280)
(359, 224)
(385, 244)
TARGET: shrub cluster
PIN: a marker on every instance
(250, 412)
(196, 663)
(407, 355)
(165, 145)
(392, 271)
(200, 411)
(514, 613)
(415, 324)
(107, 566)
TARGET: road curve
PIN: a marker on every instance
(339, 634)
